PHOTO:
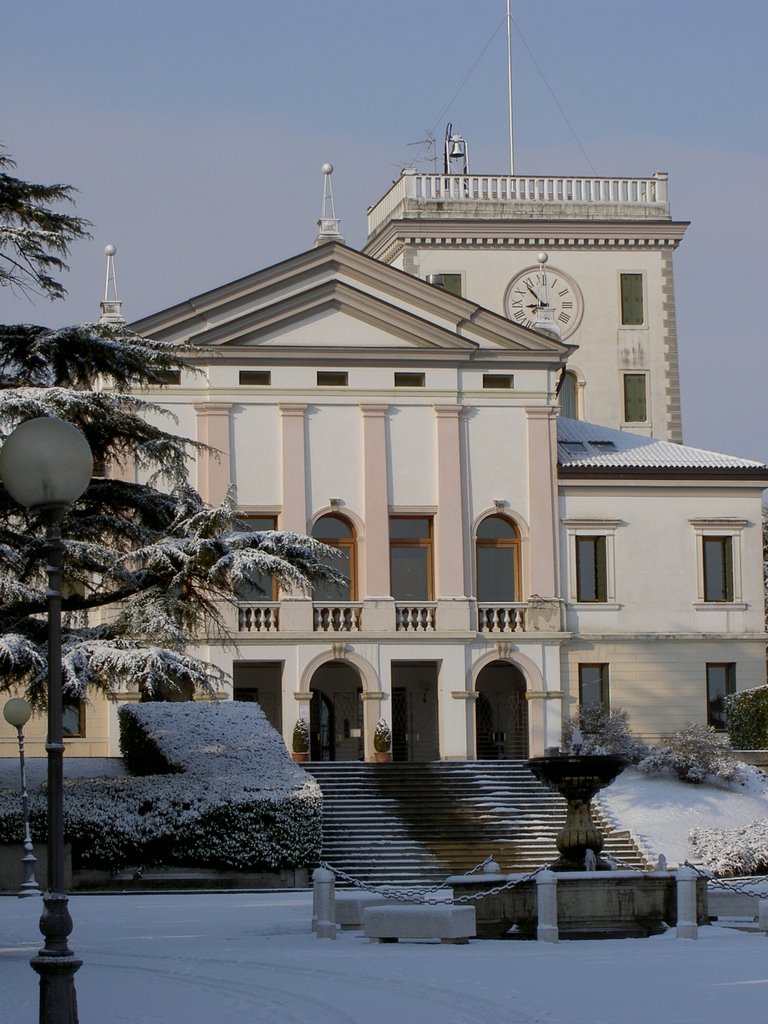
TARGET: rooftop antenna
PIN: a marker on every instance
(328, 225)
(509, 89)
(430, 141)
(456, 150)
(111, 306)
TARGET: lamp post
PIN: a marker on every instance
(17, 713)
(46, 464)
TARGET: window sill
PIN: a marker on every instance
(595, 606)
(720, 606)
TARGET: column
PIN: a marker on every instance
(450, 544)
(378, 606)
(213, 468)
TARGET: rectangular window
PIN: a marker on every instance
(410, 551)
(721, 681)
(261, 377)
(332, 378)
(262, 587)
(498, 380)
(169, 376)
(635, 407)
(718, 568)
(591, 575)
(73, 717)
(632, 300)
(448, 282)
(593, 686)
(409, 380)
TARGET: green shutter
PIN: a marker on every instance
(632, 299)
(635, 409)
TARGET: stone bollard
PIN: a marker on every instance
(687, 925)
(546, 906)
(762, 916)
(323, 903)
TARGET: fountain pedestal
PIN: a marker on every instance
(577, 778)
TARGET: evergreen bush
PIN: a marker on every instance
(382, 737)
(747, 718)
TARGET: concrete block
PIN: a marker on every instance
(447, 923)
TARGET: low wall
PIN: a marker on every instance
(12, 870)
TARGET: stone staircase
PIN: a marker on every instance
(415, 824)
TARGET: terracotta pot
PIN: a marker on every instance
(383, 757)
(300, 756)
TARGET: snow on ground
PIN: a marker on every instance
(250, 957)
(661, 811)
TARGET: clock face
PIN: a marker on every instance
(528, 290)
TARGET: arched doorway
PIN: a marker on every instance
(336, 713)
(501, 713)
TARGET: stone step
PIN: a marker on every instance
(418, 824)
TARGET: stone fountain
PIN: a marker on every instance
(593, 899)
(577, 778)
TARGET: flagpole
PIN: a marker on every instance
(509, 89)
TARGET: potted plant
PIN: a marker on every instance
(300, 742)
(382, 742)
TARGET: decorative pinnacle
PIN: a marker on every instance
(111, 306)
(329, 223)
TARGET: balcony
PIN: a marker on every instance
(495, 619)
(305, 616)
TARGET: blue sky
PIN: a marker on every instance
(195, 133)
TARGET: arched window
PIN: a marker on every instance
(337, 532)
(568, 395)
(498, 560)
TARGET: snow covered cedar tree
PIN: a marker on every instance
(152, 551)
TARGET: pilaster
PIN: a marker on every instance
(294, 517)
(213, 468)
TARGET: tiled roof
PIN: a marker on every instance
(587, 445)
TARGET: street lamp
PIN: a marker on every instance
(46, 464)
(17, 713)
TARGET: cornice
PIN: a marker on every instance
(565, 234)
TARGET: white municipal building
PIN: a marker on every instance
(481, 410)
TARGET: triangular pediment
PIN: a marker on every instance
(334, 296)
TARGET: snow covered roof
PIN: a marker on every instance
(582, 445)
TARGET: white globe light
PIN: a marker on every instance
(17, 712)
(46, 461)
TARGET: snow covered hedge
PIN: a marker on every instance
(226, 795)
(729, 852)
(692, 753)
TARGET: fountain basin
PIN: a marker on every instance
(590, 905)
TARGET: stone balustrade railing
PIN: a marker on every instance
(500, 188)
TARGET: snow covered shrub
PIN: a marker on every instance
(233, 798)
(382, 737)
(733, 851)
(692, 753)
(606, 731)
(747, 717)
(300, 741)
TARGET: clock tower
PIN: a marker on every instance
(607, 275)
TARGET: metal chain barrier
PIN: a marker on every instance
(729, 884)
(422, 895)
